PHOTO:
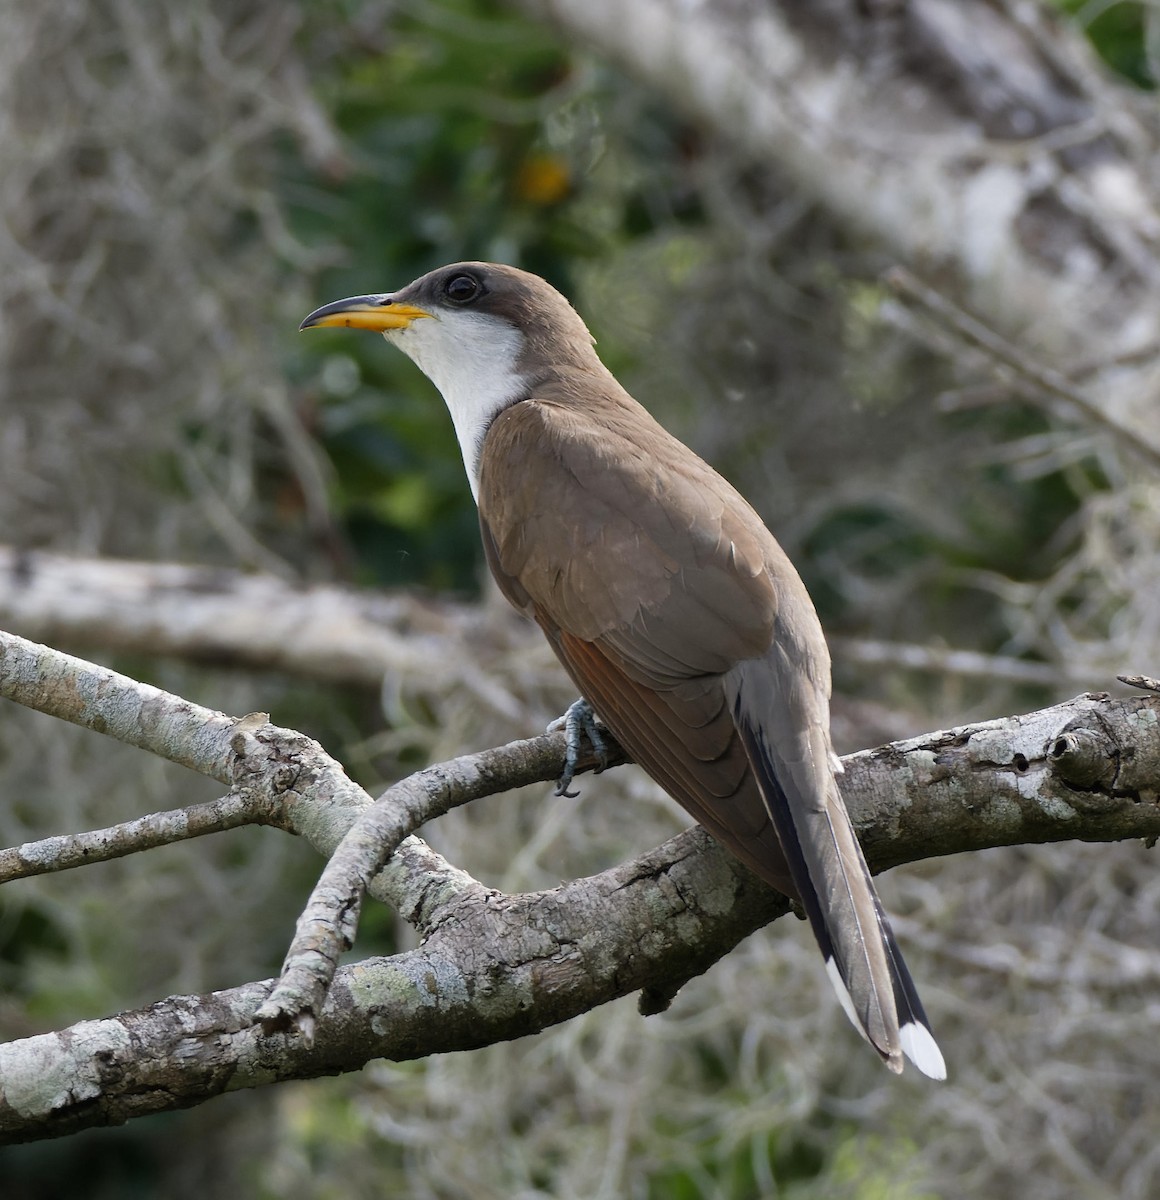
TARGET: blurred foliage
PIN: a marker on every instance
(1125, 33)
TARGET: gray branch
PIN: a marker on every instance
(493, 966)
(65, 851)
(234, 618)
(328, 923)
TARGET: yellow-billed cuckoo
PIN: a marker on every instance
(665, 597)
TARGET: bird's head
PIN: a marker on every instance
(486, 335)
(470, 318)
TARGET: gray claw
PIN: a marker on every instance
(579, 722)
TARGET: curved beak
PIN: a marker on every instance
(378, 313)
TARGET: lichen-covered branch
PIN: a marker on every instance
(96, 698)
(495, 966)
(68, 850)
(492, 967)
(1088, 770)
(328, 923)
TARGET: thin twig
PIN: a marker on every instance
(1044, 380)
(63, 852)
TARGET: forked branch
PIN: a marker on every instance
(493, 966)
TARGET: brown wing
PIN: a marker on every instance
(646, 646)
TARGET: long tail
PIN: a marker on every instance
(797, 782)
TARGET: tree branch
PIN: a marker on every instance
(65, 851)
(233, 618)
(341, 634)
(495, 966)
(328, 923)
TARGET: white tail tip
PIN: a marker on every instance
(919, 1046)
(917, 1042)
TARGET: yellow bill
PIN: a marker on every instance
(378, 313)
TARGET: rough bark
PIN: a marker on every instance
(493, 966)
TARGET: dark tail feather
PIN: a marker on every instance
(914, 1032)
(837, 893)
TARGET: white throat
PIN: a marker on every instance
(471, 358)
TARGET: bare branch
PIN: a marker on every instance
(137, 714)
(1034, 380)
(289, 778)
(210, 614)
(948, 661)
(1141, 681)
(494, 966)
(65, 851)
(330, 632)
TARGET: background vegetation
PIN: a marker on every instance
(179, 184)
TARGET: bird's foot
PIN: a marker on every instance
(579, 722)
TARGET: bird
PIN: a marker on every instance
(671, 606)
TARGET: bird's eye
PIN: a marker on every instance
(462, 289)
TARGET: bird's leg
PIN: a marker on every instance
(579, 722)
